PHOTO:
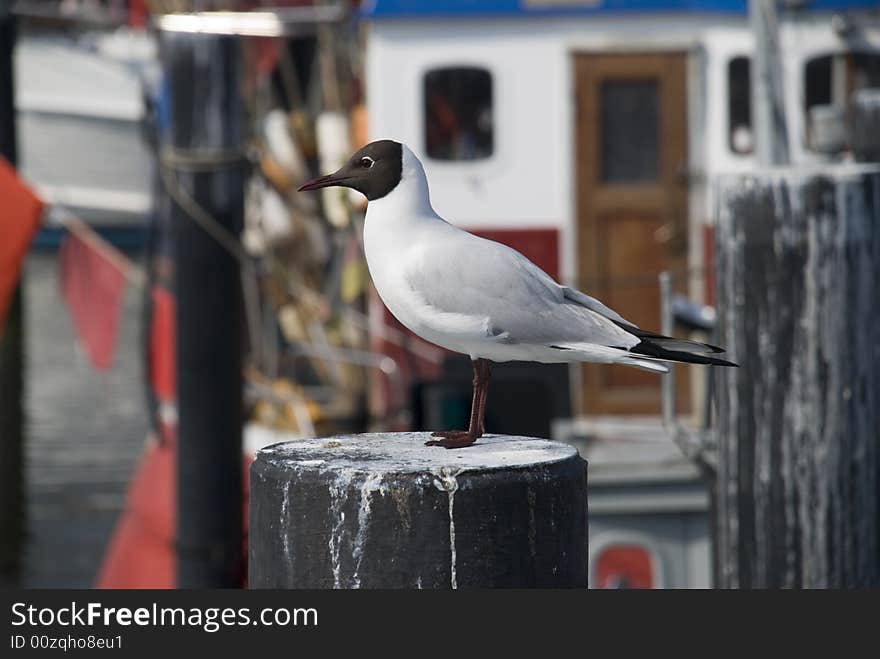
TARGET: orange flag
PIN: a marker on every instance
(20, 212)
(163, 345)
(93, 281)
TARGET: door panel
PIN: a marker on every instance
(630, 140)
(629, 255)
(632, 205)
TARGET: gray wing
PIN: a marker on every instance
(576, 297)
(463, 274)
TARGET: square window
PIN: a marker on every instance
(829, 84)
(630, 131)
(458, 113)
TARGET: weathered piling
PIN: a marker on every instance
(385, 511)
(798, 266)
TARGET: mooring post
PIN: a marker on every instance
(798, 491)
(385, 511)
(202, 130)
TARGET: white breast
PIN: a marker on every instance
(395, 244)
(391, 247)
(392, 230)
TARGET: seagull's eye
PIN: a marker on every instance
(366, 162)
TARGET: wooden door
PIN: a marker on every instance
(632, 205)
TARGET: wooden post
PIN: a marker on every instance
(385, 511)
(798, 266)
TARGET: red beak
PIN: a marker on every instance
(324, 182)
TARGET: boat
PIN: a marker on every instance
(81, 141)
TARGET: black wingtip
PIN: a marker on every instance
(654, 337)
(716, 349)
(648, 349)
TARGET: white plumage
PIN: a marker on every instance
(479, 297)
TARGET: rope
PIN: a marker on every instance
(84, 232)
(200, 160)
(225, 238)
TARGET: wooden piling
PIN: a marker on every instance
(385, 511)
(798, 490)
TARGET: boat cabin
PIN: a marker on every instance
(587, 134)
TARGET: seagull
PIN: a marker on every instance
(478, 297)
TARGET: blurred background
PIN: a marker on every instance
(172, 304)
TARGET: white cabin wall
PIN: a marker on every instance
(524, 183)
(529, 181)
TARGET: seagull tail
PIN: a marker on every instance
(649, 354)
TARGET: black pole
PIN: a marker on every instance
(202, 133)
(11, 348)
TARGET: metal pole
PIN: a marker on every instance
(12, 517)
(202, 137)
(666, 327)
(768, 108)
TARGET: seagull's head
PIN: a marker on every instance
(374, 171)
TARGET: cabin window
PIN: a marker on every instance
(831, 80)
(458, 113)
(630, 130)
(864, 70)
(739, 107)
(818, 88)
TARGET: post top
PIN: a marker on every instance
(405, 452)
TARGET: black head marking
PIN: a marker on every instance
(374, 171)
